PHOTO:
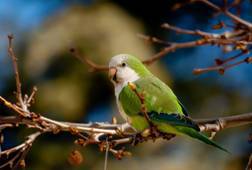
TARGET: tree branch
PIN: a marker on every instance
(226, 12)
(93, 66)
(15, 67)
(239, 38)
(217, 124)
(249, 165)
(18, 151)
(221, 68)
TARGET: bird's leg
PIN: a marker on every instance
(167, 136)
(138, 138)
(154, 132)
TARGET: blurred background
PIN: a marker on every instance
(45, 31)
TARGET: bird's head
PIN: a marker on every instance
(124, 68)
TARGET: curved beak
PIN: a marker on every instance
(112, 73)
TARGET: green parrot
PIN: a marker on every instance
(162, 108)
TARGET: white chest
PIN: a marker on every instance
(118, 89)
(121, 111)
(124, 76)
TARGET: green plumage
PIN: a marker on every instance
(157, 97)
(164, 109)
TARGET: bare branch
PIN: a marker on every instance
(153, 39)
(31, 98)
(226, 12)
(217, 124)
(221, 68)
(15, 67)
(20, 152)
(85, 60)
(172, 48)
(226, 38)
(240, 37)
(119, 134)
(13, 107)
(221, 61)
(20, 99)
(112, 129)
(249, 165)
(190, 32)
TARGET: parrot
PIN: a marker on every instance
(163, 110)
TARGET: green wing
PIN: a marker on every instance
(173, 120)
(158, 96)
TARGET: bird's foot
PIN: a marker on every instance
(167, 136)
(138, 138)
(155, 133)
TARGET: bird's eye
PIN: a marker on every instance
(123, 64)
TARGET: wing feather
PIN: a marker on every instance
(174, 120)
(158, 96)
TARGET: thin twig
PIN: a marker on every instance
(21, 150)
(34, 90)
(224, 61)
(249, 165)
(226, 12)
(190, 32)
(153, 39)
(15, 67)
(85, 60)
(172, 48)
(221, 68)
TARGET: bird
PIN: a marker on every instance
(143, 100)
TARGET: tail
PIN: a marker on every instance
(198, 135)
(183, 125)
